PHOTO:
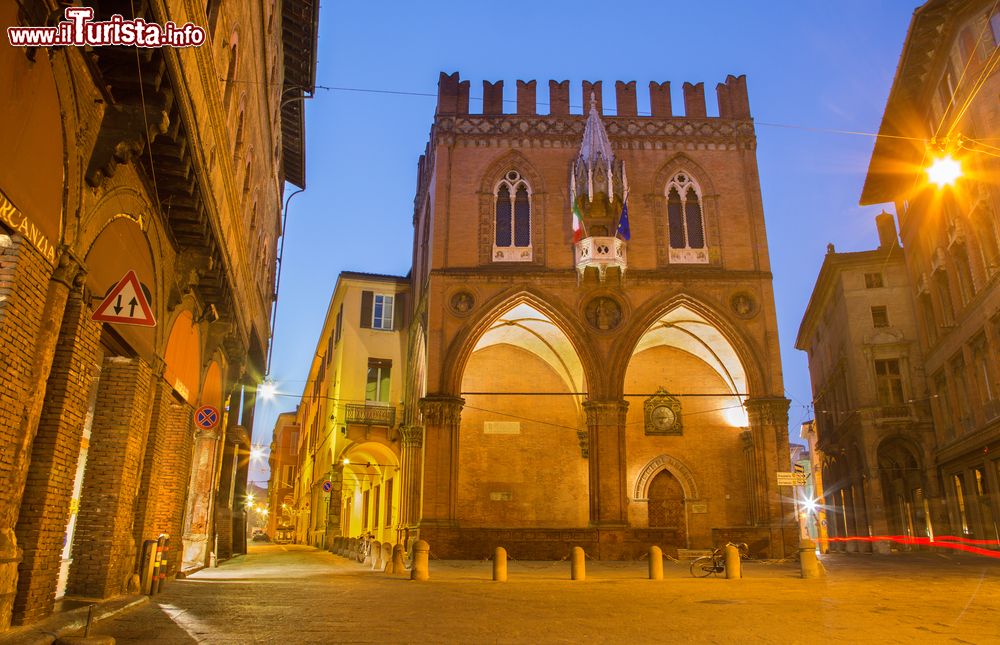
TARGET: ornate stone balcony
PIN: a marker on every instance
(600, 253)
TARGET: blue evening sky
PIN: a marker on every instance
(808, 63)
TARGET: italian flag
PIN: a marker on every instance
(577, 223)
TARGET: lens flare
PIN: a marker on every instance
(944, 171)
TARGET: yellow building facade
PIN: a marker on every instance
(349, 449)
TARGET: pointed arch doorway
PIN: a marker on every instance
(666, 503)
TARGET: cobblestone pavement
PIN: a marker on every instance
(295, 594)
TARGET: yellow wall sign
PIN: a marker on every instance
(14, 218)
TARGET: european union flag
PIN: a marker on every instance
(623, 229)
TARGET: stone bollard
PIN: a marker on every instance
(387, 557)
(733, 565)
(398, 561)
(809, 563)
(577, 568)
(368, 558)
(655, 563)
(500, 564)
(421, 561)
(376, 555)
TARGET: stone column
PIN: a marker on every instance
(411, 462)
(226, 482)
(333, 508)
(877, 508)
(608, 495)
(104, 549)
(769, 427)
(199, 500)
(41, 526)
(32, 301)
(442, 419)
(224, 502)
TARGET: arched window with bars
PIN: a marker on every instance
(686, 220)
(512, 219)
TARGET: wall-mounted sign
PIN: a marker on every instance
(126, 304)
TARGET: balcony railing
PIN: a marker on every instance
(371, 415)
(600, 253)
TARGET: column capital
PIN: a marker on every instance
(605, 412)
(69, 270)
(442, 410)
(413, 436)
(771, 411)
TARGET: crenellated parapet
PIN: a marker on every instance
(732, 100)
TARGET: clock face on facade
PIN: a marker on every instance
(663, 417)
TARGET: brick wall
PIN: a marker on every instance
(55, 452)
(103, 549)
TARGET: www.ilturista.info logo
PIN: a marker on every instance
(79, 28)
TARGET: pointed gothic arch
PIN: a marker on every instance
(646, 317)
(465, 342)
(675, 467)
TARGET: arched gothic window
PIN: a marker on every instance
(685, 220)
(512, 219)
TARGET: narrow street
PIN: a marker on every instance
(296, 594)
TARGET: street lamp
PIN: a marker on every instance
(944, 170)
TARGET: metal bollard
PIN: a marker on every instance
(387, 557)
(655, 563)
(578, 568)
(421, 561)
(733, 565)
(808, 562)
(500, 564)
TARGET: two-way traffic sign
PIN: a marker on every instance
(125, 304)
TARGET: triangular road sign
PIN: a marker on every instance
(125, 304)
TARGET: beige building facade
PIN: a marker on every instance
(167, 165)
(608, 390)
(873, 426)
(943, 101)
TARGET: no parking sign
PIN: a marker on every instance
(206, 417)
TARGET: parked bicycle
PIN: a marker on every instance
(715, 564)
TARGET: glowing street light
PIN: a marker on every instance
(943, 171)
(809, 505)
(257, 453)
(267, 390)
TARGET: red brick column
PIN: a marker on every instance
(31, 308)
(174, 474)
(41, 526)
(442, 419)
(104, 550)
(147, 526)
(608, 496)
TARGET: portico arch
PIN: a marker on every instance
(654, 467)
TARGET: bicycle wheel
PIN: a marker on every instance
(703, 567)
